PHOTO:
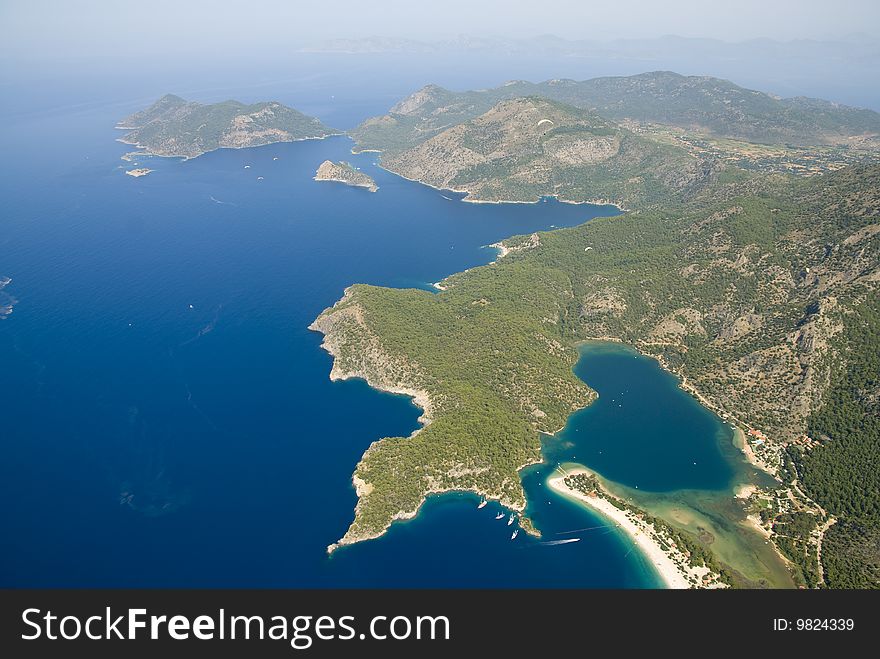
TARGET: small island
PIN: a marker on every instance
(140, 171)
(344, 172)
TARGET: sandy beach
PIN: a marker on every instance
(503, 250)
(672, 574)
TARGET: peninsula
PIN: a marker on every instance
(760, 292)
(173, 126)
(344, 172)
(680, 562)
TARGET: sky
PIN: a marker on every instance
(103, 28)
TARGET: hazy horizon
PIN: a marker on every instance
(95, 28)
(211, 51)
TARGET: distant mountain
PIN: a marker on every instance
(525, 148)
(173, 126)
(843, 69)
(717, 107)
(698, 104)
(861, 46)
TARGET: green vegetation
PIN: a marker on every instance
(345, 172)
(676, 135)
(175, 127)
(791, 534)
(851, 554)
(526, 148)
(843, 474)
(749, 291)
(716, 107)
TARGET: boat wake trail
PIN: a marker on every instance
(589, 528)
(207, 328)
(551, 543)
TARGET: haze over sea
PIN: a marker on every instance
(167, 418)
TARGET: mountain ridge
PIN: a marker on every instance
(526, 148)
(704, 103)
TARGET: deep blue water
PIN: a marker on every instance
(167, 418)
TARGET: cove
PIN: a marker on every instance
(655, 445)
(643, 431)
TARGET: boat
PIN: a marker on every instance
(510, 519)
(499, 515)
(560, 542)
(514, 534)
(483, 503)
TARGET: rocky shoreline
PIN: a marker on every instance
(343, 172)
(335, 322)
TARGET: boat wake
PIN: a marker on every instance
(588, 528)
(207, 328)
(551, 543)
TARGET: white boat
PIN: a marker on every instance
(514, 534)
(510, 519)
(499, 515)
(560, 542)
(483, 503)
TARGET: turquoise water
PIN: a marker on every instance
(643, 431)
(167, 418)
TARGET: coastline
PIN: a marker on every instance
(503, 250)
(146, 151)
(671, 563)
(739, 441)
(588, 202)
(401, 516)
(370, 188)
(422, 399)
(471, 200)
(675, 574)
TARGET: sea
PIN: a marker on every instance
(166, 417)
